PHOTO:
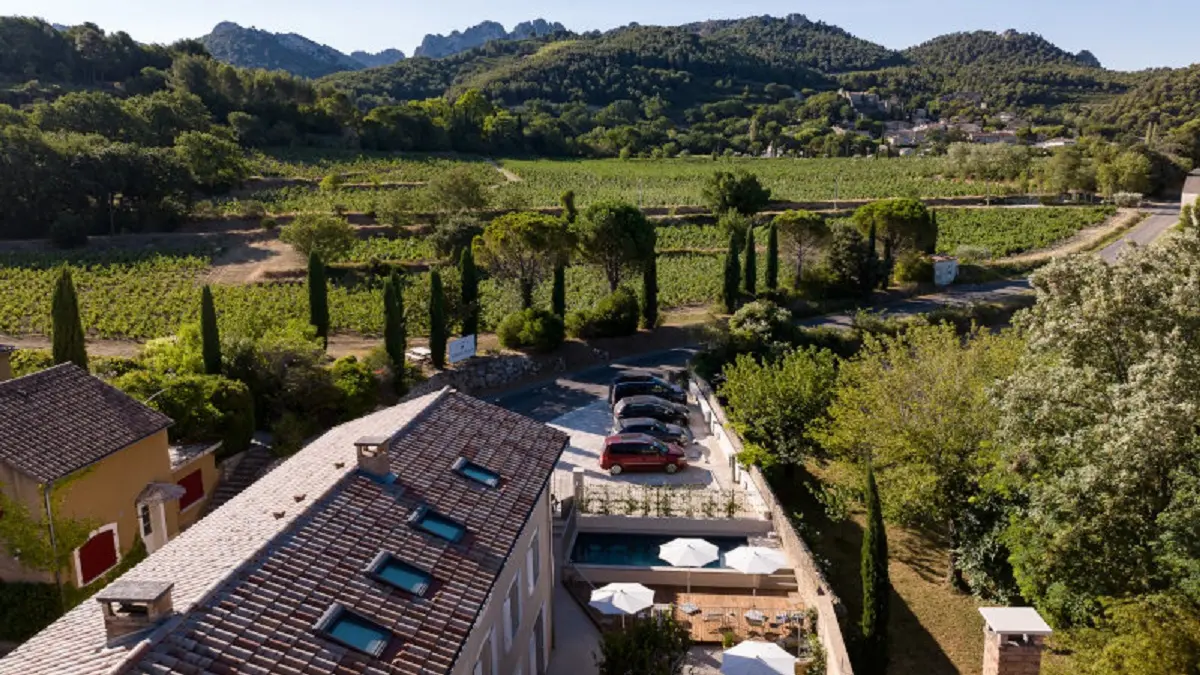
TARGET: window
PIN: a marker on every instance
(98, 554)
(432, 522)
(193, 483)
(353, 630)
(533, 563)
(486, 663)
(512, 613)
(476, 472)
(391, 570)
(144, 519)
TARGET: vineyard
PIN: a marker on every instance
(362, 167)
(1005, 232)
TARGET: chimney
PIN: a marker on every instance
(134, 606)
(1013, 640)
(5, 366)
(373, 456)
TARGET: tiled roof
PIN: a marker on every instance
(62, 419)
(254, 576)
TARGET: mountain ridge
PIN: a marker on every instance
(252, 47)
(436, 46)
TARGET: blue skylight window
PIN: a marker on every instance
(391, 570)
(434, 523)
(479, 474)
(353, 630)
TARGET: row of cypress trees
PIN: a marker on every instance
(742, 277)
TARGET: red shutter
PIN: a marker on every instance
(194, 484)
(97, 556)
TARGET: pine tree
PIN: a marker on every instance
(210, 336)
(875, 584)
(68, 341)
(772, 258)
(395, 337)
(558, 292)
(437, 320)
(650, 293)
(729, 291)
(318, 298)
(750, 264)
(470, 292)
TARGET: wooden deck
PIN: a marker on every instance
(723, 610)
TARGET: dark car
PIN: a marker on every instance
(634, 376)
(652, 407)
(670, 433)
(639, 452)
(651, 387)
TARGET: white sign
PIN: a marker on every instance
(462, 348)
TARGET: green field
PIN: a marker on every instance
(1005, 232)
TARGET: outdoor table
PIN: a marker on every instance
(755, 615)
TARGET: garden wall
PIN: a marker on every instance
(810, 581)
(481, 372)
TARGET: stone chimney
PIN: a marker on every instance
(134, 606)
(1013, 639)
(373, 456)
(5, 366)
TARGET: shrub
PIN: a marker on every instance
(26, 609)
(741, 191)
(912, 267)
(268, 223)
(356, 382)
(332, 182)
(972, 254)
(614, 316)
(759, 324)
(251, 209)
(1127, 199)
(453, 235)
(532, 329)
(329, 236)
(205, 407)
(68, 231)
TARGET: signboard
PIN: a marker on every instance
(462, 348)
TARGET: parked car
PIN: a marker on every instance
(669, 433)
(652, 407)
(639, 452)
(651, 387)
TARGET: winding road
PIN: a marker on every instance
(1162, 217)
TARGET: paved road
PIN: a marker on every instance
(1162, 217)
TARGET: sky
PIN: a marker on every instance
(1150, 33)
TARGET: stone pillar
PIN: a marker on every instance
(1013, 639)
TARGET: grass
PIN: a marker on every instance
(933, 629)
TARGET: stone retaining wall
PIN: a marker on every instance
(481, 372)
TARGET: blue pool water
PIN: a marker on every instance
(639, 550)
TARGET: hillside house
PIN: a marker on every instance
(417, 539)
(74, 449)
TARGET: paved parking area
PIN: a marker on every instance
(589, 425)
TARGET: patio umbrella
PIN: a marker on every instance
(756, 560)
(688, 553)
(622, 599)
(757, 658)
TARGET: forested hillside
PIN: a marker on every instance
(1009, 49)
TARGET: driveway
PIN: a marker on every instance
(1161, 219)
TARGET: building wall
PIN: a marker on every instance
(490, 624)
(177, 520)
(5, 366)
(23, 490)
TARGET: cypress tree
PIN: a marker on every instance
(68, 341)
(650, 293)
(470, 292)
(570, 213)
(318, 298)
(875, 584)
(437, 320)
(772, 258)
(210, 336)
(729, 291)
(558, 292)
(750, 264)
(395, 338)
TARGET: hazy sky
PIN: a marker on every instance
(1123, 35)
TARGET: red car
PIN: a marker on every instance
(639, 452)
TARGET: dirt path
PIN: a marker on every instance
(508, 175)
(253, 258)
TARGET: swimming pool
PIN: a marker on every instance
(638, 550)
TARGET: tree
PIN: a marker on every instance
(729, 292)
(615, 237)
(326, 235)
(916, 406)
(772, 258)
(209, 333)
(523, 247)
(558, 292)
(803, 232)
(457, 190)
(741, 192)
(469, 280)
(852, 261)
(215, 163)
(568, 206)
(876, 586)
(644, 647)
(318, 298)
(68, 340)
(1065, 171)
(901, 224)
(750, 265)
(437, 320)
(1156, 634)
(650, 293)
(395, 332)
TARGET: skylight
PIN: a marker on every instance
(479, 474)
(353, 630)
(391, 570)
(436, 524)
